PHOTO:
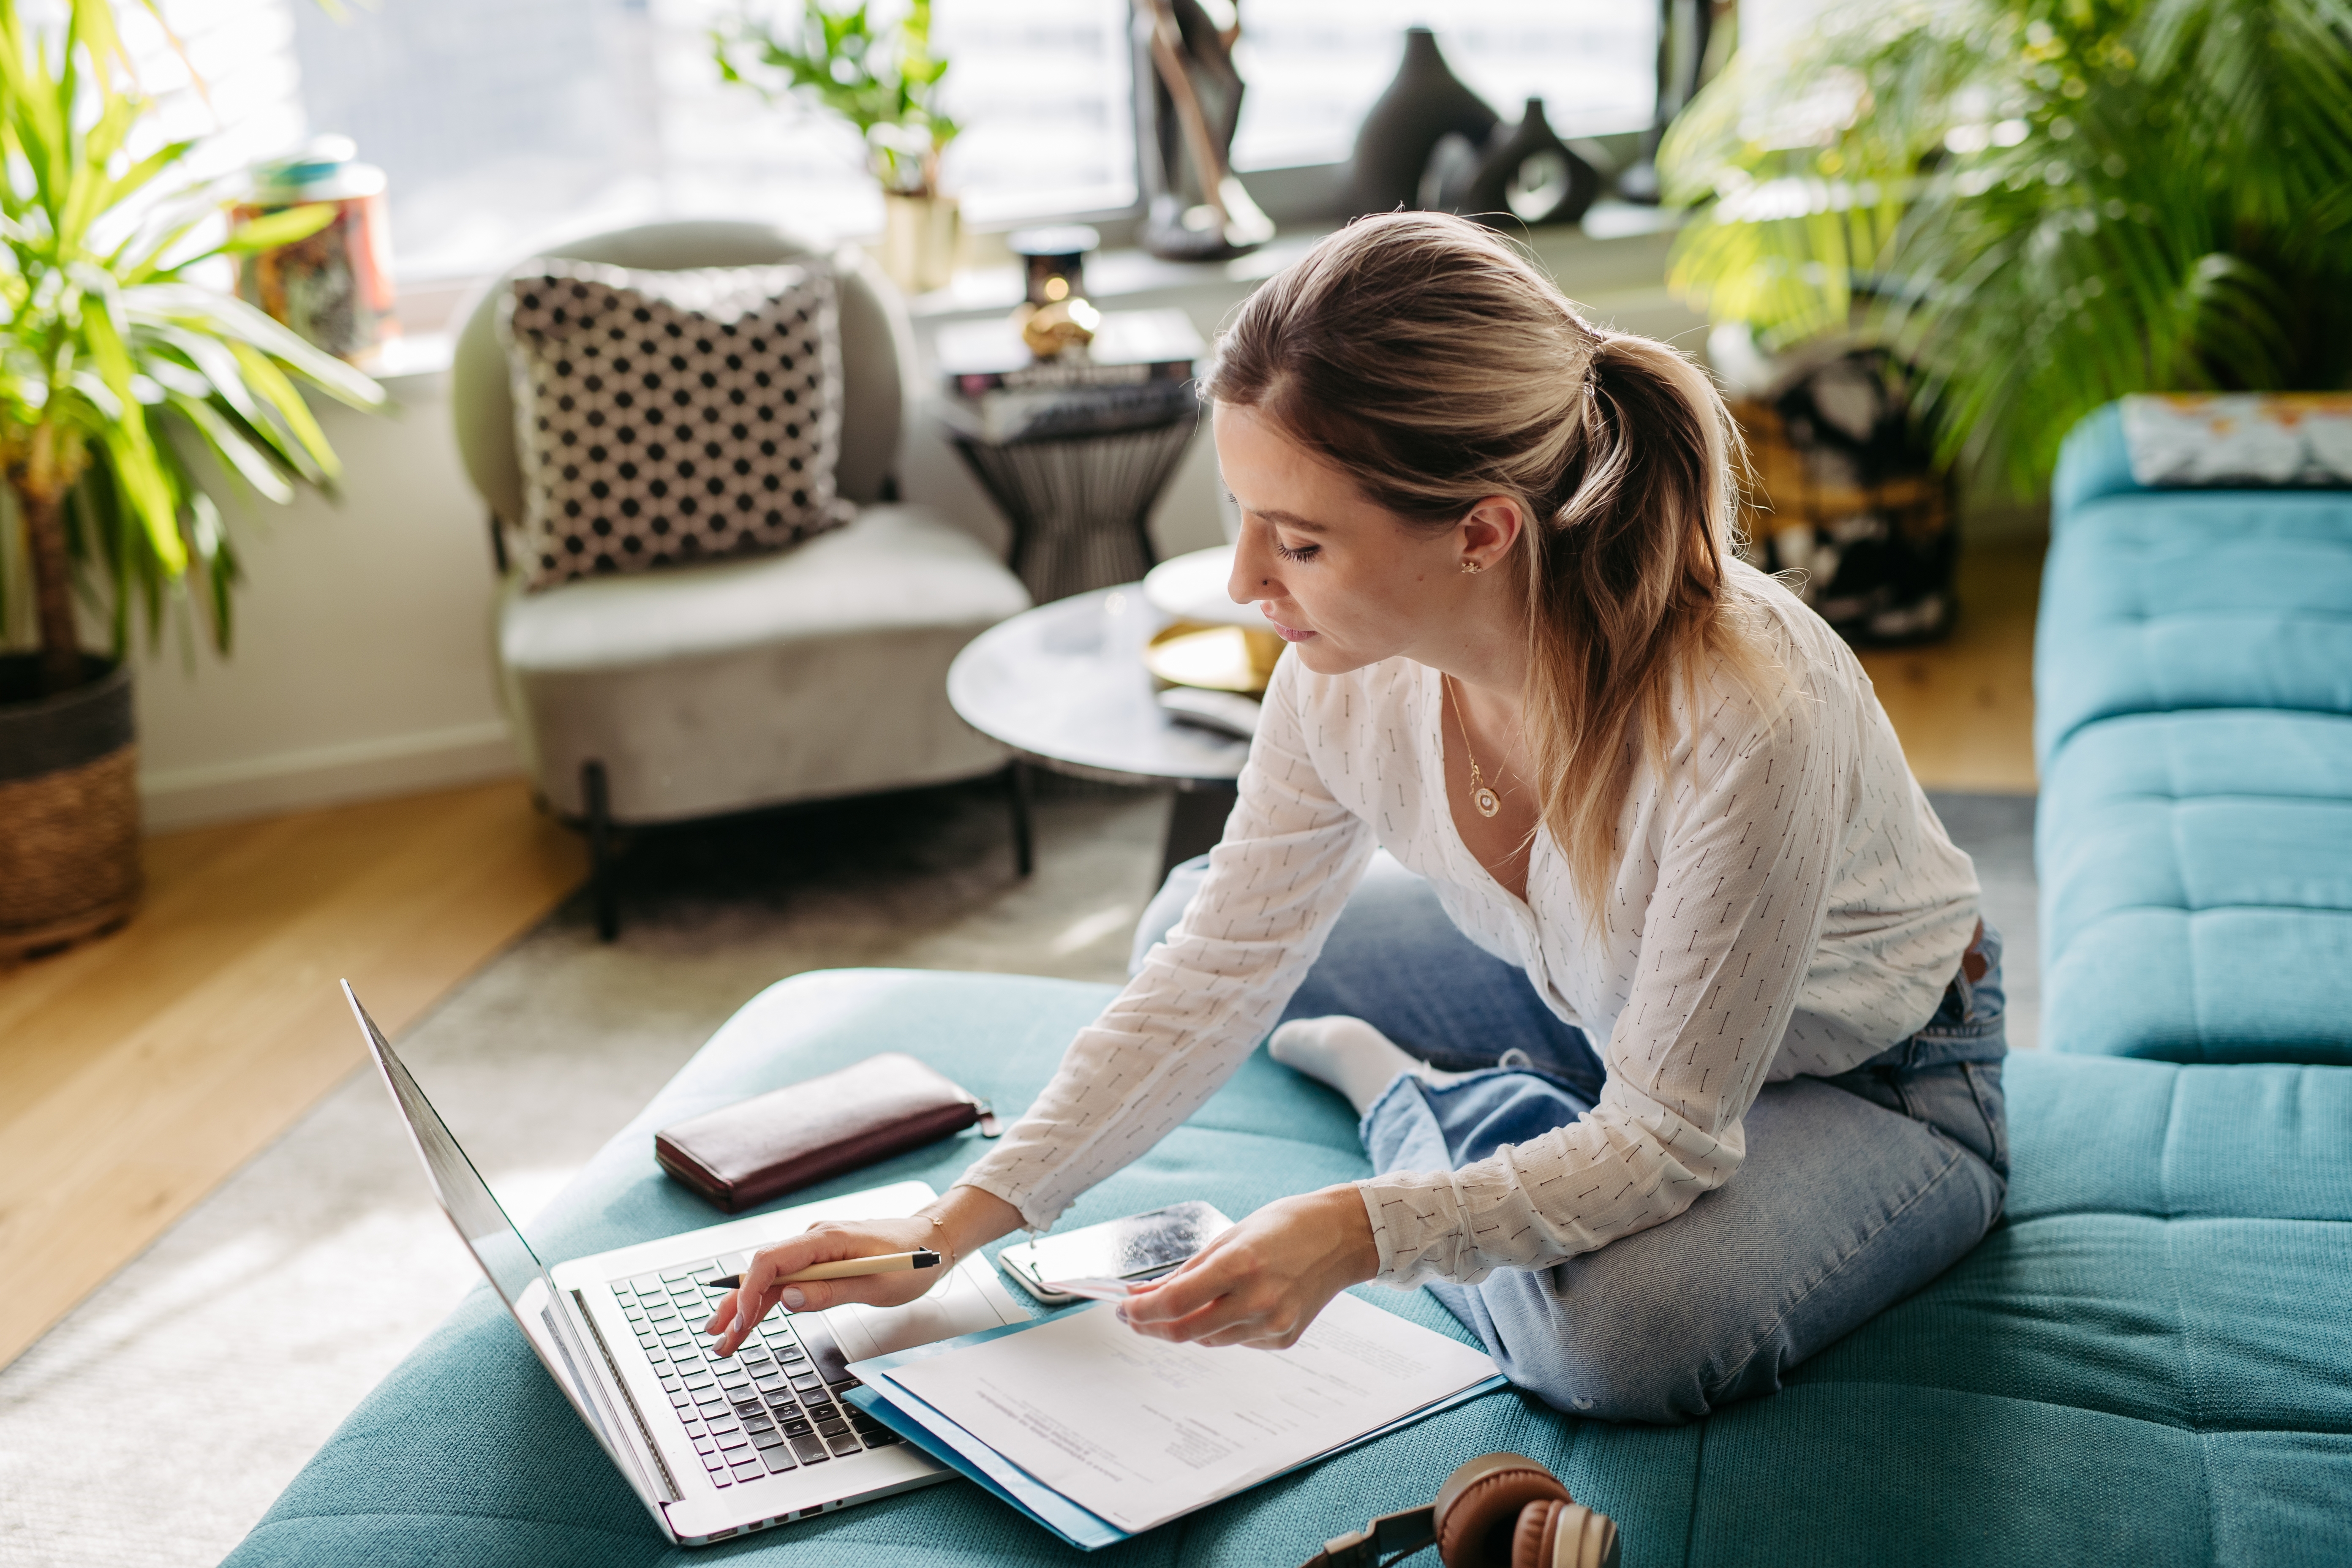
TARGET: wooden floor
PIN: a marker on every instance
(138, 1071)
(1965, 707)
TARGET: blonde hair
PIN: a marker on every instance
(1431, 363)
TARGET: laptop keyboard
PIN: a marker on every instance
(772, 1406)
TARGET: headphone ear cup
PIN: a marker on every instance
(1478, 1509)
(1558, 1533)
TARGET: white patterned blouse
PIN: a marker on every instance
(1786, 903)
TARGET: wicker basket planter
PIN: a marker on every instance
(69, 807)
(1850, 498)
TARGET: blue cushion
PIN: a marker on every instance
(2153, 602)
(2149, 1362)
(2093, 462)
(2196, 874)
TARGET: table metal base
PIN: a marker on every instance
(1196, 823)
(1080, 506)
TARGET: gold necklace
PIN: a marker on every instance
(1487, 802)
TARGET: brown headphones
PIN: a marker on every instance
(1499, 1510)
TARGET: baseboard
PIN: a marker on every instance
(326, 776)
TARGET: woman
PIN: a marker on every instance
(1738, 1020)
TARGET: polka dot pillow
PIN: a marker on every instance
(667, 417)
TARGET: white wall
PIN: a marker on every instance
(362, 661)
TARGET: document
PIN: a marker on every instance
(1138, 1430)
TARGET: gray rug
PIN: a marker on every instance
(157, 1422)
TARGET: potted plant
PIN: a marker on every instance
(2044, 204)
(883, 81)
(112, 364)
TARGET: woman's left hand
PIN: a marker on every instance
(1262, 1282)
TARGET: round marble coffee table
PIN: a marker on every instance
(1064, 685)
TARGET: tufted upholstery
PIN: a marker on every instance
(2164, 600)
(2196, 874)
(2148, 1364)
(2194, 686)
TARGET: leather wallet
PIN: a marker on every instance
(751, 1151)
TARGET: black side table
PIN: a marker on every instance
(1079, 480)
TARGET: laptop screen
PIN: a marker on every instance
(514, 1271)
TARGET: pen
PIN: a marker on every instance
(843, 1269)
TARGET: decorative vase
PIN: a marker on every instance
(1425, 103)
(68, 807)
(1525, 172)
(335, 287)
(918, 240)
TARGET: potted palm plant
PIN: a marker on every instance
(2044, 204)
(885, 81)
(114, 367)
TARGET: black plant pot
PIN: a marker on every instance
(1526, 174)
(1425, 103)
(68, 807)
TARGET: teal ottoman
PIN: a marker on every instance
(2150, 1362)
(2195, 873)
(2157, 601)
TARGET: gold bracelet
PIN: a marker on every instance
(947, 1256)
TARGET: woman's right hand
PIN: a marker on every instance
(951, 1227)
(763, 1290)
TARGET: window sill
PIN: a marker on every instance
(1612, 231)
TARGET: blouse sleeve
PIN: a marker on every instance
(1739, 902)
(1206, 996)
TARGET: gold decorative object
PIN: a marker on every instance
(1218, 658)
(1064, 324)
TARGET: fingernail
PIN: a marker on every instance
(793, 1299)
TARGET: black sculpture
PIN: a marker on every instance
(1194, 207)
(1425, 104)
(1524, 172)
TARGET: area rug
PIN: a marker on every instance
(156, 1422)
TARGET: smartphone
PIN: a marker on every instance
(1141, 1247)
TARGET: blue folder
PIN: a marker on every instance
(954, 1446)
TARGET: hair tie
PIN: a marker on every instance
(1593, 359)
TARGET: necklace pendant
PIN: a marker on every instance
(1485, 800)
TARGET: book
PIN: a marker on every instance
(1030, 413)
(1129, 348)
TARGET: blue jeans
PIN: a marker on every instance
(1856, 1190)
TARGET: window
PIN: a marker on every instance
(501, 121)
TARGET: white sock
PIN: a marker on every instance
(1347, 1054)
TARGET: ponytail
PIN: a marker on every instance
(1426, 358)
(1628, 587)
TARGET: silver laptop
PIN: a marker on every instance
(714, 1449)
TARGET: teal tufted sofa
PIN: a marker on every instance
(2150, 1362)
(2194, 686)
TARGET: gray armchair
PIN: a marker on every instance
(696, 691)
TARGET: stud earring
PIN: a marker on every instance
(1472, 567)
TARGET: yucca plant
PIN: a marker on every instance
(108, 351)
(2044, 203)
